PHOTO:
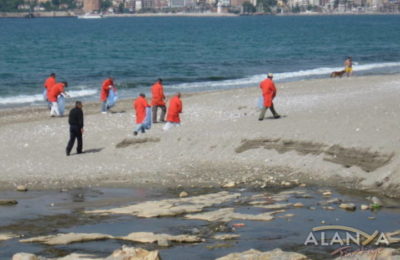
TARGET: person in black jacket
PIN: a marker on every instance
(75, 120)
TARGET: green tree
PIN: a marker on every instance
(105, 4)
(10, 5)
(248, 8)
(55, 4)
(296, 9)
(266, 5)
(121, 8)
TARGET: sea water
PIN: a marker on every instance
(188, 53)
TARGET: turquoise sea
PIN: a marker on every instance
(189, 53)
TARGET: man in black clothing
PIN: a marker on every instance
(75, 120)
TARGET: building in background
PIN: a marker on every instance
(148, 4)
(91, 5)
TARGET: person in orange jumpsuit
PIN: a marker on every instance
(174, 109)
(157, 100)
(55, 91)
(140, 104)
(49, 82)
(268, 92)
(108, 84)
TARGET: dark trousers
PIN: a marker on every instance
(264, 109)
(75, 132)
(154, 113)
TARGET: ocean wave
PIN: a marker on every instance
(22, 99)
(210, 83)
(301, 74)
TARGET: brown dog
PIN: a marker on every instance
(337, 74)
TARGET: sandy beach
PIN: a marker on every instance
(336, 132)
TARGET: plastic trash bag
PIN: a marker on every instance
(112, 98)
(45, 94)
(260, 102)
(61, 104)
(147, 119)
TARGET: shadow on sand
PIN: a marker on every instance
(94, 150)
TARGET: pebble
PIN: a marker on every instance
(8, 202)
(347, 206)
(364, 207)
(298, 205)
(183, 194)
(230, 184)
(22, 188)
(327, 194)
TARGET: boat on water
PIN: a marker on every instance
(90, 16)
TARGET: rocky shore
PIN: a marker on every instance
(226, 228)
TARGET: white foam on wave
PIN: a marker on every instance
(22, 99)
(301, 74)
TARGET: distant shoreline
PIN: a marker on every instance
(64, 14)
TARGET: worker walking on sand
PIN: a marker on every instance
(49, 82)
(158, 100)
(268, 92)
(107, 86)
(174, 109)
(56, 90)
(348, 66)
(75, 121)
(143, 112)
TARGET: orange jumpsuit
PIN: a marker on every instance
(157, 93)
(174, 109)
(50, 81)
(105, 89)
(55, 90)
(140, 105)
(268, 91)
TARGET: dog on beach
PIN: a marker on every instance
(337, 74)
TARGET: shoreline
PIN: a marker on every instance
(72, 14)
(220, 142)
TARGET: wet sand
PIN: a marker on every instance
(335, 132)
